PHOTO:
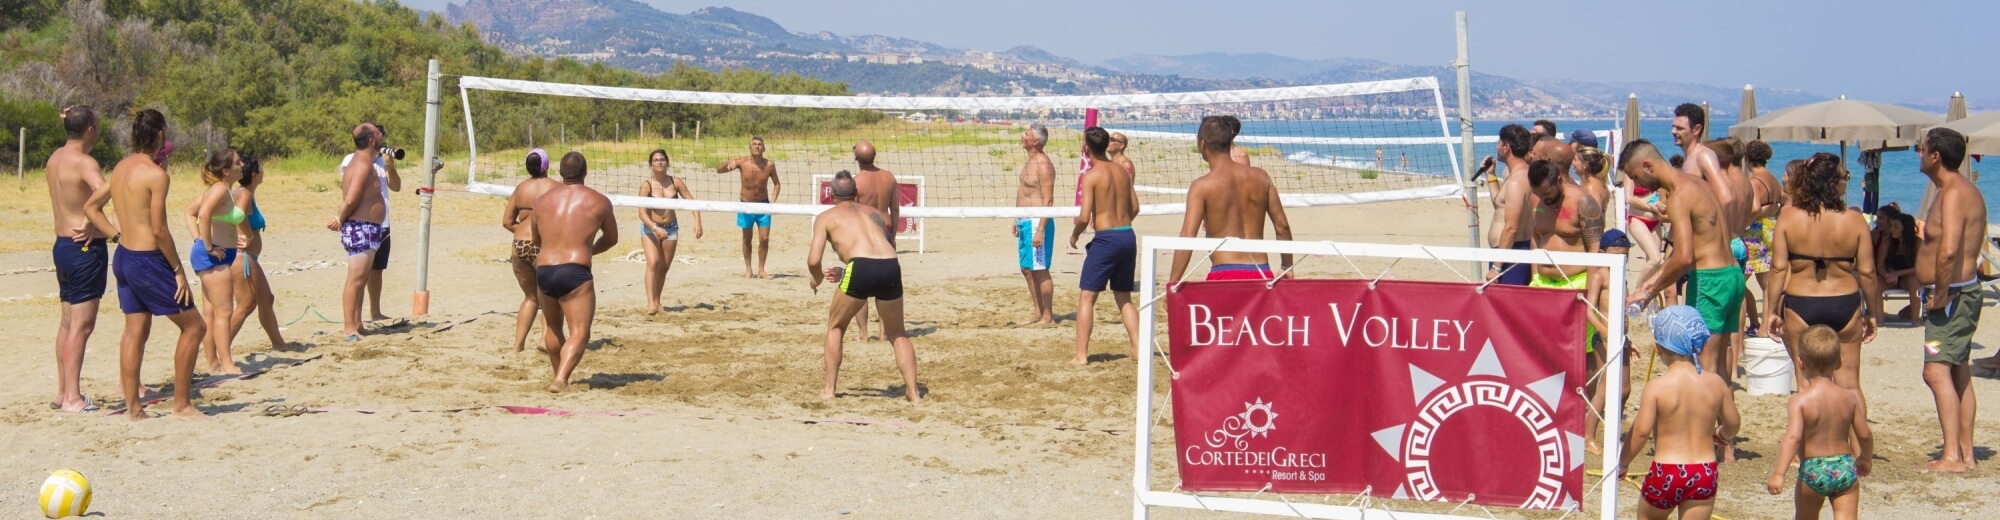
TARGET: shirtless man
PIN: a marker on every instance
(863, 240)
(151, 281)
(1109, 205)
(519, 219)
(1511, 204)
(1117, 154)
(1737, 212)
(756, 172)
(1701, 244)
(572, 223)
(1231, 200)
(1566, 218)
(1947, 267)
(80, 253)
(1035, 237)
(876, 188)
(359, 223)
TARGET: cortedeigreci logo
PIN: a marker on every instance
(1230, 446)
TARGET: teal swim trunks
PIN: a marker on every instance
(1830, 475)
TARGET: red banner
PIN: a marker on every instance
(906, 196)
(1415, 390)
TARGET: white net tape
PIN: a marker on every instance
(1339, 144)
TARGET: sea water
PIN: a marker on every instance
(1900, 181)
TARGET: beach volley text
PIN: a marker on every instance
(1352, 324)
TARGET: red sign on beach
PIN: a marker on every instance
(1414, 390)
(906, 196)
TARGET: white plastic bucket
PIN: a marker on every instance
(1768, 366)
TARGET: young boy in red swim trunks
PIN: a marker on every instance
(1692, 411)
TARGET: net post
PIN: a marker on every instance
(1614, 386)
(1142, 428)
(1465, 133)
(420, 304)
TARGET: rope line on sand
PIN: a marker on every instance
(309, 310)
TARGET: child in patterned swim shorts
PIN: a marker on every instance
(1691, 411)
(1827, 423)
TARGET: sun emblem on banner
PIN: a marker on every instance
(1485, 384)
(1251, 411)
(1237, 429)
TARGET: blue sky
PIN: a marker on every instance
(1889, 51)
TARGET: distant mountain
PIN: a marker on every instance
(634, 35)
(1491, 92)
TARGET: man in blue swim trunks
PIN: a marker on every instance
(1109, 205)
(1513, 202)
(757, 171)
(1035, 237)
(151, 281)
(80, 254)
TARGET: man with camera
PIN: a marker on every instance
(362, 221)
(388, 181)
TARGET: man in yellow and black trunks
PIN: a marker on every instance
(863, 237)
(1565, 219)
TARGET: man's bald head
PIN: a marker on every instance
(366, 136)
(574, 168)
(1549, 148)
(864, 153)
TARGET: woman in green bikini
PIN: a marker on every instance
(213, 218)
(254, 293)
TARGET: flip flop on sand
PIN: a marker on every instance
(88, 406)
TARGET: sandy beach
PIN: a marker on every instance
(709, 410)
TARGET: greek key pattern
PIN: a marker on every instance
(1530, 410)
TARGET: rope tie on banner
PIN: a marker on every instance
(1203, 260)
(1175, 374)
(1197, 498)
(1288, 270)
(1176, 284)
(1288, 504)
(1385, 272)
(1462, 503)
(1362, 498)
(1447, 265)
(1343, 256)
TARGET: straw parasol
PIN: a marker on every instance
(1749, 110)
(1838, 121)
(1870, 125)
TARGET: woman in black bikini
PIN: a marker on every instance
(1823, 257)
(660, 227)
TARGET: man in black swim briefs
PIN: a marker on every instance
(861, 236)
(572, 223)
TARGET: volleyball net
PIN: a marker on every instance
(1322, 145)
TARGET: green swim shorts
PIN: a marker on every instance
(1948, 332)
(1718, 294)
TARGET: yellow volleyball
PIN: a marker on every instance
(65, 493)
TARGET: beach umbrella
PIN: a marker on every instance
(1838, 121)
(1870, 125)
(1631, 119)
(1749, 110)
